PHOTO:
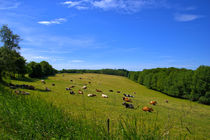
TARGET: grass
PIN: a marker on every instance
(178, 119)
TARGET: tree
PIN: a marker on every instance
(10, 60)
(10, 40)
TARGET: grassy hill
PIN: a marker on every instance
(177, 119)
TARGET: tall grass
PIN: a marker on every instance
(22, 117)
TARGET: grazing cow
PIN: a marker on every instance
(97, 90)
(128, 105)
(47, 89)
(13, 87)
(91, 95)
(43, 81)
(153, 102)
(84, 87)
(17, 91)
(127, 95)
(80, 78)
(110, 90)
(89, 82)
(71, 86)
(72, 92)
(80, 92)
(25, 93)
(166, 101)
(147, 109)
(53, 84)
(134, 92)
(67, 88)
(31, 87)
(127, 99)
(118, 91)
(104, 96)
(71, 80)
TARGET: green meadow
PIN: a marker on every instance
(177, 119)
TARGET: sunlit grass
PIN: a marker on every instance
(178, 119)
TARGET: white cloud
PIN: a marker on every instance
(186, 17)
(7, 5)
(77, 61)
(122, 5)
(71, 3)
(55, 21)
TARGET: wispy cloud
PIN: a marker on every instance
(55, 21)
(7, 5)
(77, 61)
(186, 17)
(120, 5)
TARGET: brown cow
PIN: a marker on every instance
(147, 109)
(80, 92)
(97, 90)
(153, 102)
(126, 99)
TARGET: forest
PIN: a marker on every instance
(182, 83)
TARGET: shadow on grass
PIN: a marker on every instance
(41, 90)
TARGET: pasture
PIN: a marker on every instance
(177, 119)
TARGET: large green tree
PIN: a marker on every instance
(10, 59)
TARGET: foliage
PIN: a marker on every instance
(42, 69)
(10, 59)
(119, 72)
(175, 82)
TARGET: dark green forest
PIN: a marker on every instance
(182, 83)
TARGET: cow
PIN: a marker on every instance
(153, 102)
(25, 93)
(134, 92)
(97, 90)
(43, 81)
(84, 87)
(53, 84)
(71, 92)
(17, 91)
(118, 91)
(47, 89)
(127, 95)
(128, 105)
(126, 99)
(71, 80)
(147, 109)
(89, 82)
(80, 92)
(31, 87)
(166, 101)
(67, 88)
(91, 95)
(71, 86)
(12, 87)
(110, 90)
(104, 96)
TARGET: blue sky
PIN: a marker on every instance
(95, 34)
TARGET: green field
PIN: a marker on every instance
(177, 119)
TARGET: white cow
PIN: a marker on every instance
(104, 96)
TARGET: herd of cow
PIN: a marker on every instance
(127, 97)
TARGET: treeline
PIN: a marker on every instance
(42, 69)
(182, 83)
(119, 72)
(12, 64)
